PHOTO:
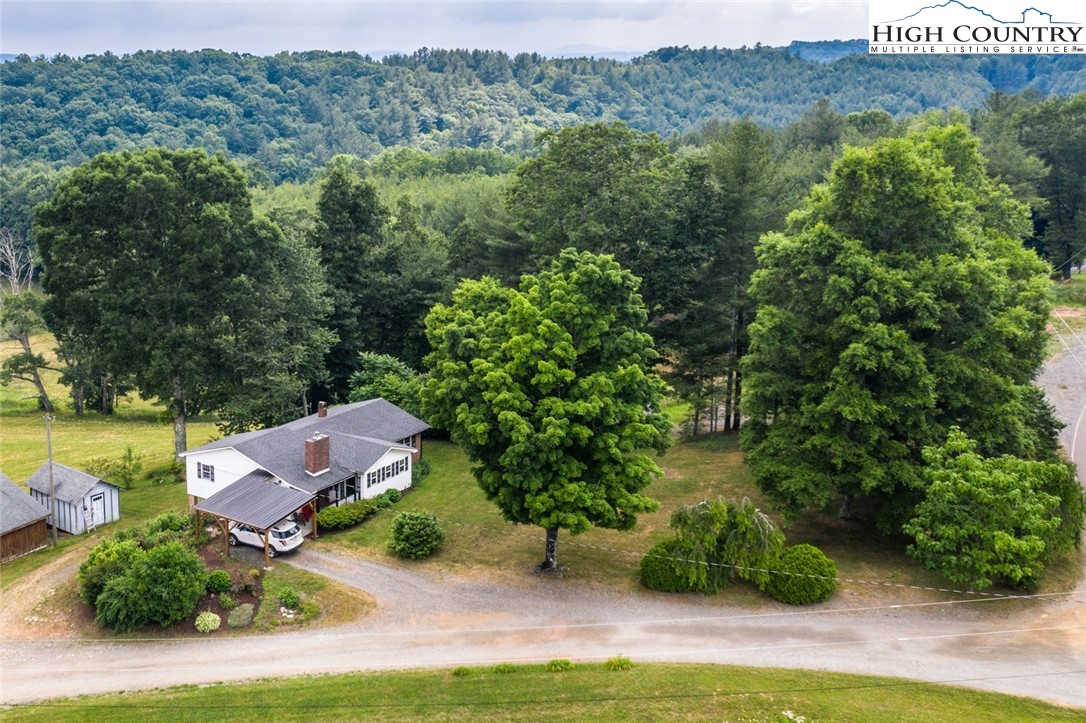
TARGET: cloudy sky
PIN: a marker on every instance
(80, 27)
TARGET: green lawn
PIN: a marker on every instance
(588, 692)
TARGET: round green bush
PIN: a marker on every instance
(227, 601)
(415, 535)
(393, 496)
(802, 575)
(218, 582)
(665, 568)
(208, 621)
(289, 598)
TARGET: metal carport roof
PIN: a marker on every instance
(255, 501)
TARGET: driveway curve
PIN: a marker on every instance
(438, 619)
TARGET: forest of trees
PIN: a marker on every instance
(289, 114)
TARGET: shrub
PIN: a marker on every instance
(289, 598)
(802, 575)
(415, 535)
(504, 668)
(227, 601)
(173, 578)
(620, 662)
(667, 567)
(208, 621)
(343, 516)
(121, 605)
(309, 609)
(462, 671)
(169, 521)
(218, 582)
(107, 560)
(254, 573)
(128, 468)
(560, 665)
(382, 501)
(420, 470)
(393, 496)
(241, 616)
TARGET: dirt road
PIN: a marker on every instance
(427, 619)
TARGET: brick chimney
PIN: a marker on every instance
(316, 454)
(322, 409)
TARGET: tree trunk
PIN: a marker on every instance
(550, 560)
(35, 378)
(78, 395)
(180, 442)
(728, 401)
(737, 412)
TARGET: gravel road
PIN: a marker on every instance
(427, 618)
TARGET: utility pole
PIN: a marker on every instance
(52, 487)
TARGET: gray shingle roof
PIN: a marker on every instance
(17, 508)
(71, 484)
(254, 500)
(359, 434)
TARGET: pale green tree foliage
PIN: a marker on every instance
(899, 302)
(986, 519)
(549, 389)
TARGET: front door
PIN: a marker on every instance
(98, 509)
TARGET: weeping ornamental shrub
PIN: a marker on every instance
(106, 560)
(160, 586)
(802, 575)
(415, 535)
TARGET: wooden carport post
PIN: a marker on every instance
(267, 561)
(225, 525)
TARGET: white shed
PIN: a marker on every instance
(82, 499)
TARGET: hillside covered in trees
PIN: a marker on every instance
(287, 115)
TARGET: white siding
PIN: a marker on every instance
(400, 481)
(230, 466)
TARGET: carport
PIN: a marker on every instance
(256, 501)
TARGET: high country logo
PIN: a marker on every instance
(959, 27)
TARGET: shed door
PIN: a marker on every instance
(98, 509)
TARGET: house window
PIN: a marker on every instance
(371, 479)
(205, 471)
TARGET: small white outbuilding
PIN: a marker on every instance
(83, 500)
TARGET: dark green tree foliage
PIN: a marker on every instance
(987, 519)
(415, 535)
(380, 375)
(156, 267)
(802, 575)
(604, 188)
(290, 113)
(550, 391)
(1054, 131)
(349, 236)
(106, 560)
(899, 302)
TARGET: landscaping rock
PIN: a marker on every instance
(241, 616)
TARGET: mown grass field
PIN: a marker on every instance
(589, 692)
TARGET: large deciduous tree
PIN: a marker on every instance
(155, 265)
(549, 389)
(900, 302)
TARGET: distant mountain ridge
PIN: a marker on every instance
(287, 114)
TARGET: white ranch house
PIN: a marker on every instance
(340, 454)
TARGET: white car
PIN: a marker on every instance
(282, 537)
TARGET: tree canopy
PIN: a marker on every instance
(157, 269)
(549, 389)
(899, 302)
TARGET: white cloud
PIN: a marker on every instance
(80, 27)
